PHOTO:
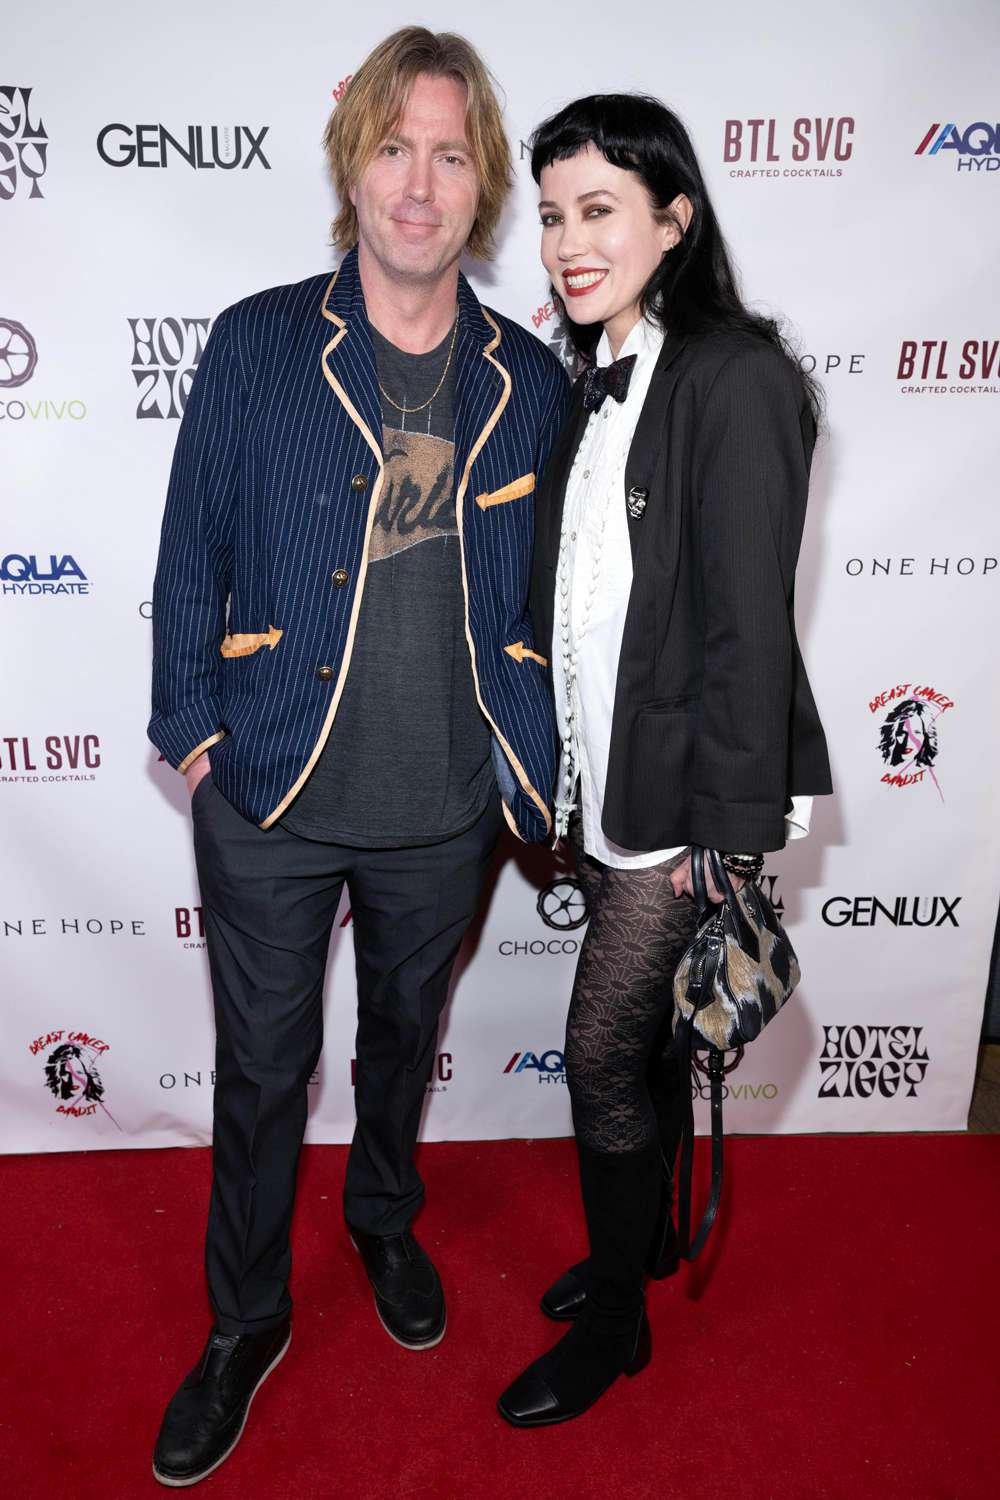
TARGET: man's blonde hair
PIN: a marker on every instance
(374, 102)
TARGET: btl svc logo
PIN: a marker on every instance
(976, 146)
(908, 736)
(815, 139)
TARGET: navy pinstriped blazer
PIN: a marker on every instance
(275, 481)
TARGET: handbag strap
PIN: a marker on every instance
(691, 1249)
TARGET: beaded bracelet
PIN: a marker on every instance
(746, 866)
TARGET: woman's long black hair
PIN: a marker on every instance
(693, 289)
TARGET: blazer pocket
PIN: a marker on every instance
(516, 490)
(246, 645)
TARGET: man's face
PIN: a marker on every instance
(416, 200)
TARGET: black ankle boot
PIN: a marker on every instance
(611, 1338)
(567, 1380)
(567, 1297)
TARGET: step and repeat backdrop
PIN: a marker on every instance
(155, 167)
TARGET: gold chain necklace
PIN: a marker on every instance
(410, 409)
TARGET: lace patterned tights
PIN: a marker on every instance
(620, 1011)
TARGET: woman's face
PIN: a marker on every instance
(600, 239)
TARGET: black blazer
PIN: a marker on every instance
(714, 726)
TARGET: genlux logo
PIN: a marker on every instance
(202, 147)
(896, 911)
(975, 147)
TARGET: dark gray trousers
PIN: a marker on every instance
(269, 901)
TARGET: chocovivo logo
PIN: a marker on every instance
(975, 148)
(864, 1062)
(24, 144)
(201, 147)
(701, 1085)
(812, 143)
(908, 736)
(945, 367)
(18, 363)
(56, 757)
(165, 355)
(71, 1074)
(562, 906)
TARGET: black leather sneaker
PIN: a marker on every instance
(205, 1418)
(409, 1298)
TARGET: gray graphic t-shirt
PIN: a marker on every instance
(408, 758)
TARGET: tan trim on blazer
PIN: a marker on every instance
(189, 760)
(513, 491)
(246, 645)
(519, 652)
(491, 422)
(369, 438)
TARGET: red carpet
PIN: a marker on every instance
(841, 1341)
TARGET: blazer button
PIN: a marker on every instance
(324, 673)
(359, 483)
(339, 578)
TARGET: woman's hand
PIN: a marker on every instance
(680, 879)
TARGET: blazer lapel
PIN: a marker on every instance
(482, 383)
(349, 355)
(551, 497)
(647, 441)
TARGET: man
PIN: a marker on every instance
(345, 674)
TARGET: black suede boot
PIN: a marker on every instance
(611, 1337)
(567, 1296)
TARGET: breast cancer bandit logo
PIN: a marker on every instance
(71, 1074)
(908, 734)
(551, 315)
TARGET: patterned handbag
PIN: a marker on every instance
(733, 977)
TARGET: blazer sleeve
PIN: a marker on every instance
(752, 478)
(191, 585)
(555, 399)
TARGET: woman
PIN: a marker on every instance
(667, 532)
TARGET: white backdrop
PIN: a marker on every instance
(874, 233)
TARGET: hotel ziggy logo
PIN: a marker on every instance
(24, 143)
(976, 146)
(165, 355)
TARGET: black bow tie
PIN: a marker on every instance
(607, 380)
